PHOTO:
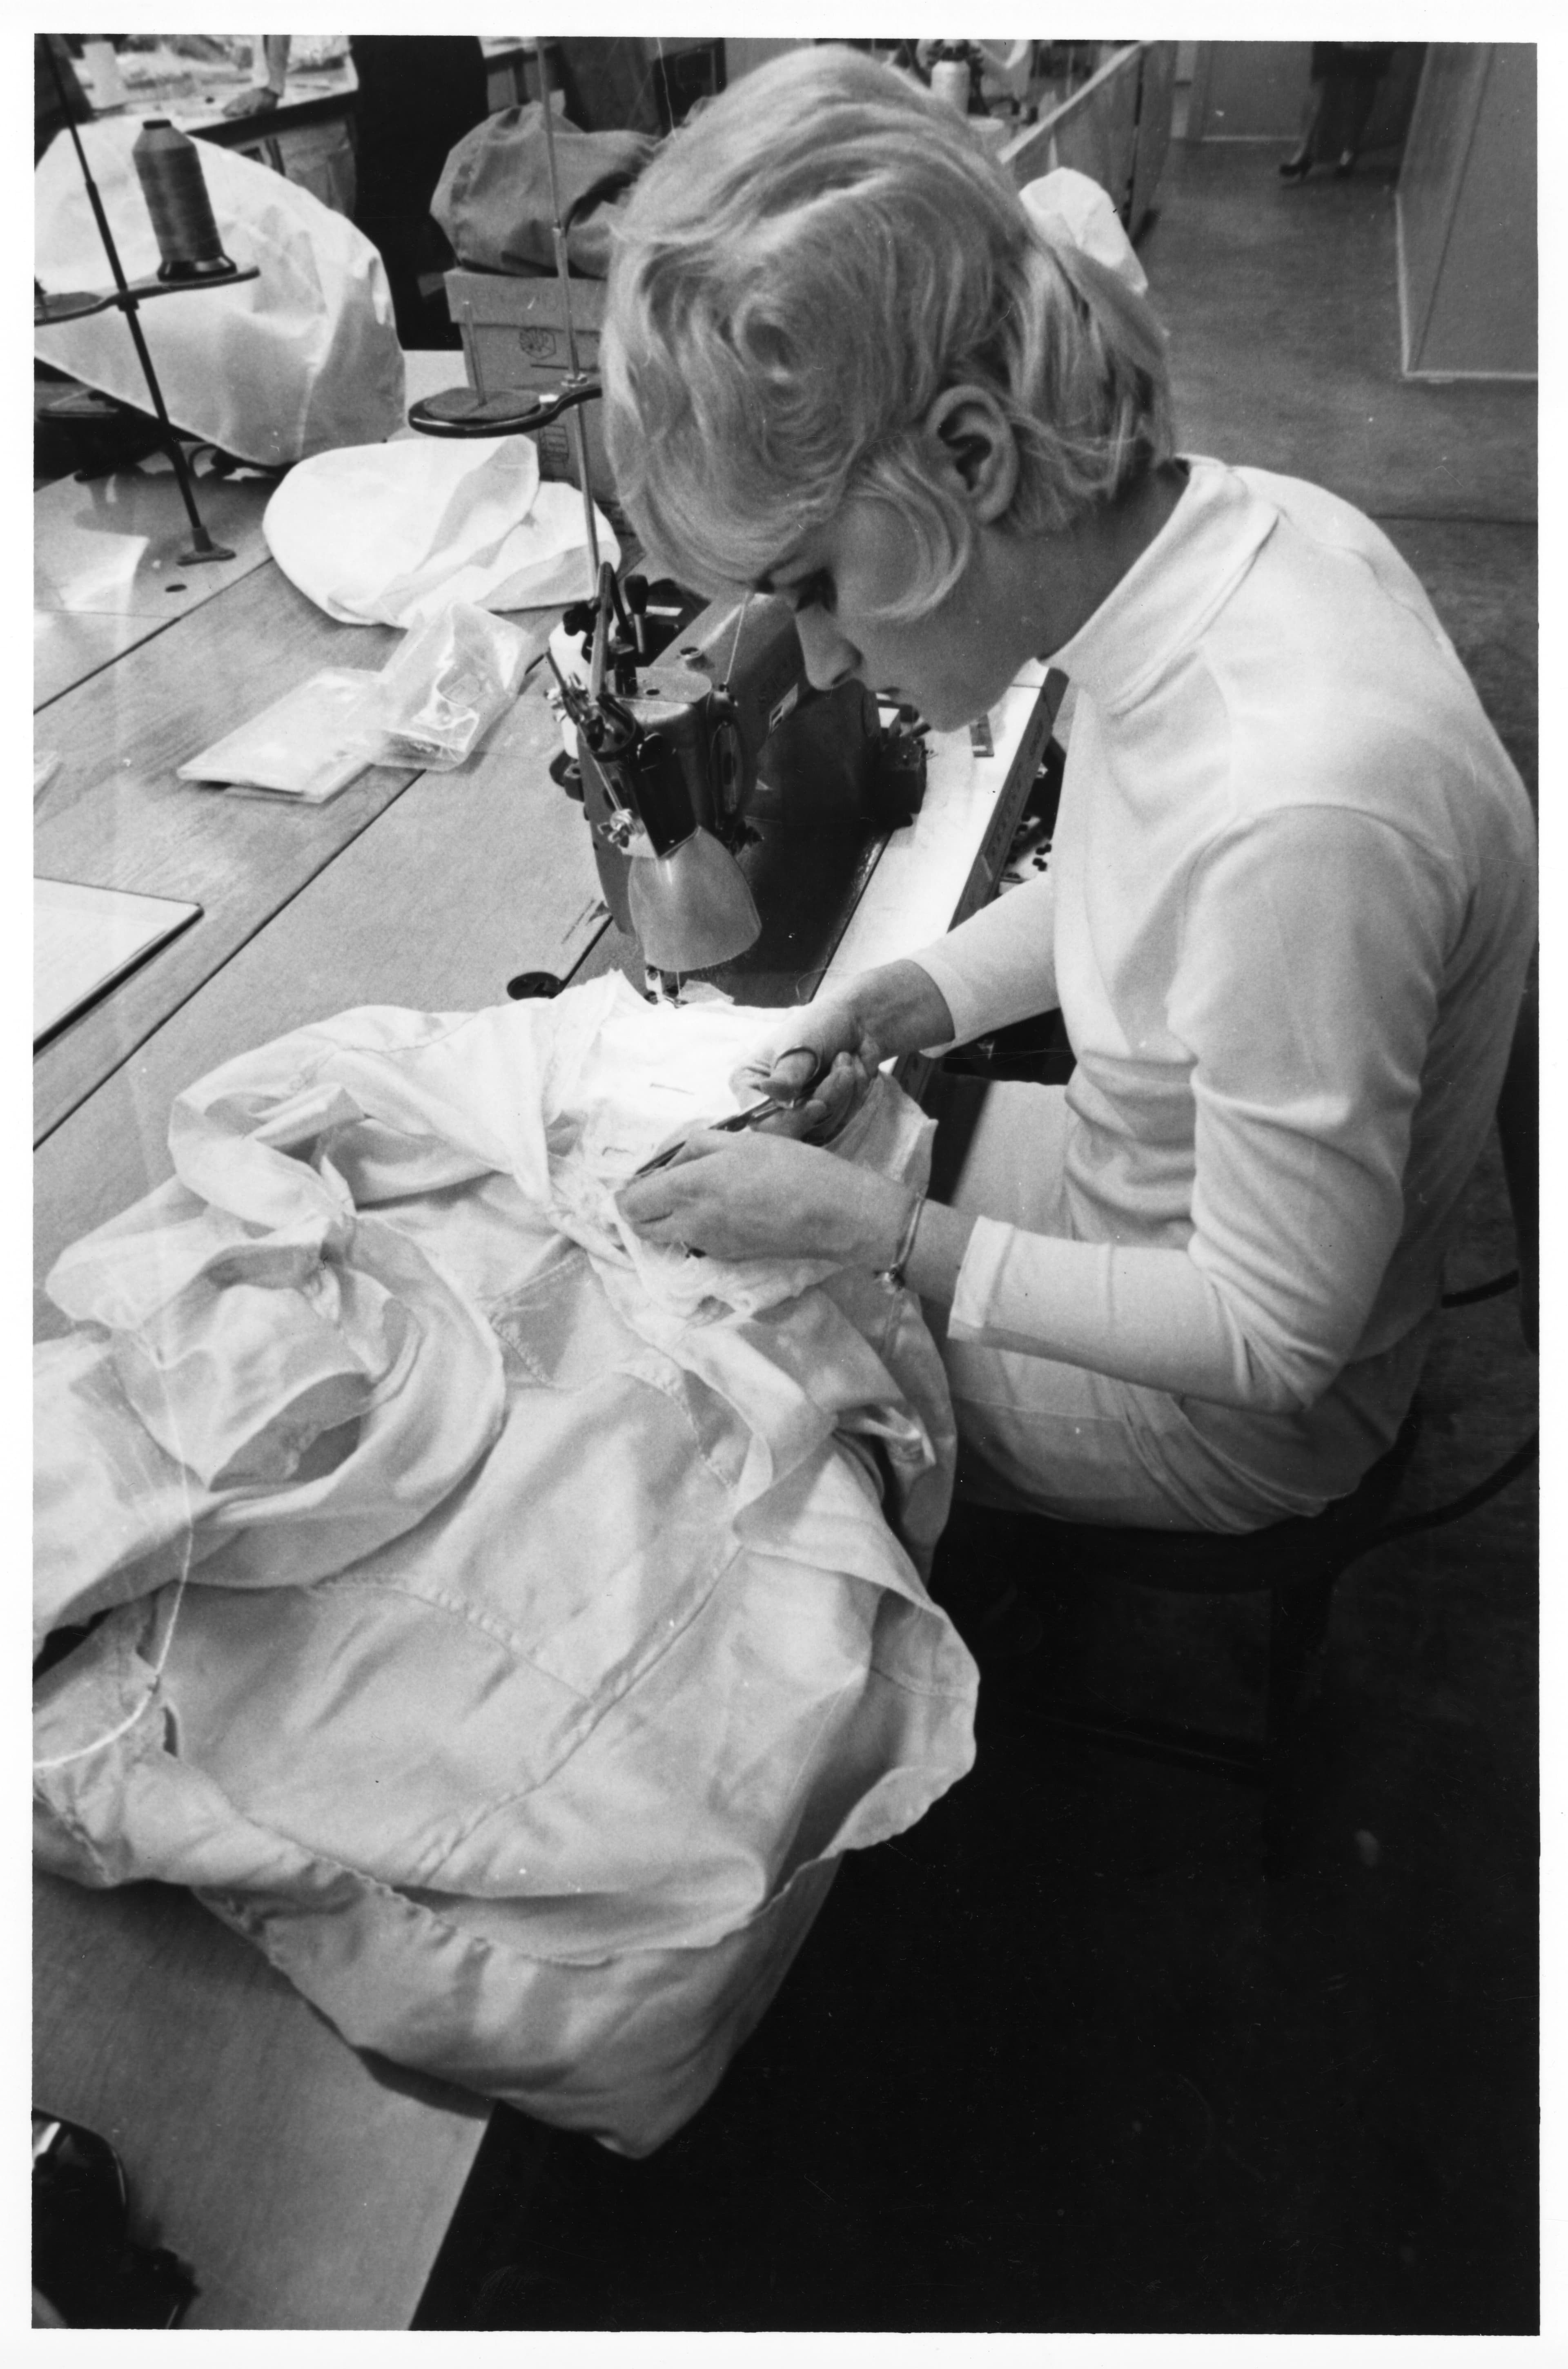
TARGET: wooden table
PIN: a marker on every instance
(307, 2185)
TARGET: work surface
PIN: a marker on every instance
(305, 2185)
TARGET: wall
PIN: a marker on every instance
(1257, 90)
(1467, 214)
(1248, 90)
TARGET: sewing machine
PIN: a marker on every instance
(685, 761)
(688, 758)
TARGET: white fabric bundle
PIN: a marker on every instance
(393, 534)
(302, 359)
(554, 1617)
(1069, 206)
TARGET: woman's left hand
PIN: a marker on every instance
(766, 1196)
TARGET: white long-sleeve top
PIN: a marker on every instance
(1288, 921)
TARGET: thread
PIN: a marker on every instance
(169, 169)
(170, 1614)
(149, 1699)
(167, 1606)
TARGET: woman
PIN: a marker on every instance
(1343, 89)
(1291, 905)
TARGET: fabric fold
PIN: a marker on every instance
(505, 1628)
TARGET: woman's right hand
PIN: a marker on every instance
(820, 1061)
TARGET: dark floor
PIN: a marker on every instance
(1060, 2059)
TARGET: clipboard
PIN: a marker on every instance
(84, 939)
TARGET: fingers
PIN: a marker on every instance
(646, 1199)
(800, 1050)
(700, 1144)
(843, 1090)
(797, 1125)
(831, 1103)
(786, 1076)
(722, 1196)
(796, 1070)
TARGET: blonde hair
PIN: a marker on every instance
(798, 275)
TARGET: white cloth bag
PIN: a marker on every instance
(1068, 205)
(391, 534)
(509, 1622)
(301, 360)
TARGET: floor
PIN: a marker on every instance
(1061, 2059)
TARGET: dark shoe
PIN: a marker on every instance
(1344, 166)
(1295, 168)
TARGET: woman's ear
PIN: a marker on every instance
(977, 444)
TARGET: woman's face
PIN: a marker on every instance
(953, 663)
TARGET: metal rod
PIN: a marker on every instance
(205, 546)
(601, 631)
(563, 273)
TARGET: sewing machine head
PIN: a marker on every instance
(687, 748)
(685, 759)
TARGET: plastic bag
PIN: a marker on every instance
(430, 705)
(300, 361)
(447, 683)
(306, 746)
(392, 534)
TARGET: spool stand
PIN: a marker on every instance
(127, 295)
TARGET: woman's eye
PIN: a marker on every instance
(813, 592)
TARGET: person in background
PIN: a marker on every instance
(1289, 910)
(418, 94)
(1343, 85)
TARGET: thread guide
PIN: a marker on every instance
(76, 304)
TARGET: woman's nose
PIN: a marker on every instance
(829, 658)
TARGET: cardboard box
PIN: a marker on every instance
(514, 335)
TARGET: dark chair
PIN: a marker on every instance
(989, 1558)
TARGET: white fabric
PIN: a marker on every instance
(1287, 920)
(1068, 205)
(305, 358)
(1040, 1436)
(547, 1635)
(392, 535)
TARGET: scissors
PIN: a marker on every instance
(738, 1124)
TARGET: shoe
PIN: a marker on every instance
(1295, 168)
(1346, 166)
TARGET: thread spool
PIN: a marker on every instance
(950, 77)
(169, 169)
(950, 81)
